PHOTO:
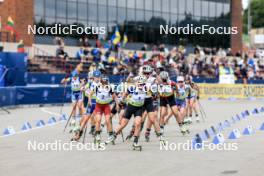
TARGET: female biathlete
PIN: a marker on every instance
(104, 96)
(92, 82)
(192, 99)
(135, 100)
(167, 90)
(76, 97)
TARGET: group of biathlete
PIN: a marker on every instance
(149, 98)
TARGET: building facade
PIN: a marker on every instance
(141, 19)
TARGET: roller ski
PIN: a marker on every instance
(162, 140)
(184, 131)
(92, 131)
(136, 146)
(77, 136)
(111, 139)
(197, 118)
(72, 126)
(130, 135)
(97, 139)
(147, 138)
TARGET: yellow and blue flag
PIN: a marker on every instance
(116, 37)
(125, 39)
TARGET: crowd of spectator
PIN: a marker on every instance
(201, 62)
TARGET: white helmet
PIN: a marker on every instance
(180, 79)
(147, 69)
(141, 79)
(164, 75)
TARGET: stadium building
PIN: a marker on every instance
(140, 19)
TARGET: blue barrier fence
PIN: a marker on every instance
(33, 95)
(41, 78)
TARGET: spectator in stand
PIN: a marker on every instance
(82, 54)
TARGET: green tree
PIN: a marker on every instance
(257, 13)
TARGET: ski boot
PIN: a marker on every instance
(147, 134)
(92, 131)
(136, 146)
(130, 135)
(97, 138)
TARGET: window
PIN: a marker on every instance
(205, 8)
(102, 13)
(181, 5)
(140, 15)
(131, 4)
(165, 5)
(139, 4)
(148, 4)
(82, 10)
(92, 12)
(174, 6)
(212, 8)
(50, 8)
(121, 17)
(72, 9)
(219, 9)
(121, 3)
(131, 14)
(189, 7)
(197, 8)
(226, 8)
(112, 14)
(157, 5)
(148, 15)
(112, 2)
(102, 2)
(39, 7)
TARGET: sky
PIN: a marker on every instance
(245, 3)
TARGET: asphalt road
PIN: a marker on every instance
(120, 159)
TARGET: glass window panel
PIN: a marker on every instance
(39, 7)
(102, 2)
(212, 9)
(112, 14)
(148, 4)
(189, 7)
(140, 15)
(131, 4)
(61, 20)
(92, 12)
(50, 21)
(219, 9)
(102, 13)
(165, 5)
(197, 8)
(92, 1)
(61, 8)
(50, 8)
(112, 2)
(157, 5)
(226, 8)
(148, 15)
(157, 14)
(174, 18)
(92, 23)
(166, 17)
(84, 23)
(72, 9)
(121, 3)
(71, 21)
(121, 17)
(131, 14)
(82, 10)
(205, 7)
(181, 5)
(174, 6)
(139, 4)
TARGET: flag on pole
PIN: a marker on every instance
(116, 37)
(20, 47)
(125, 39)
(10, 25)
